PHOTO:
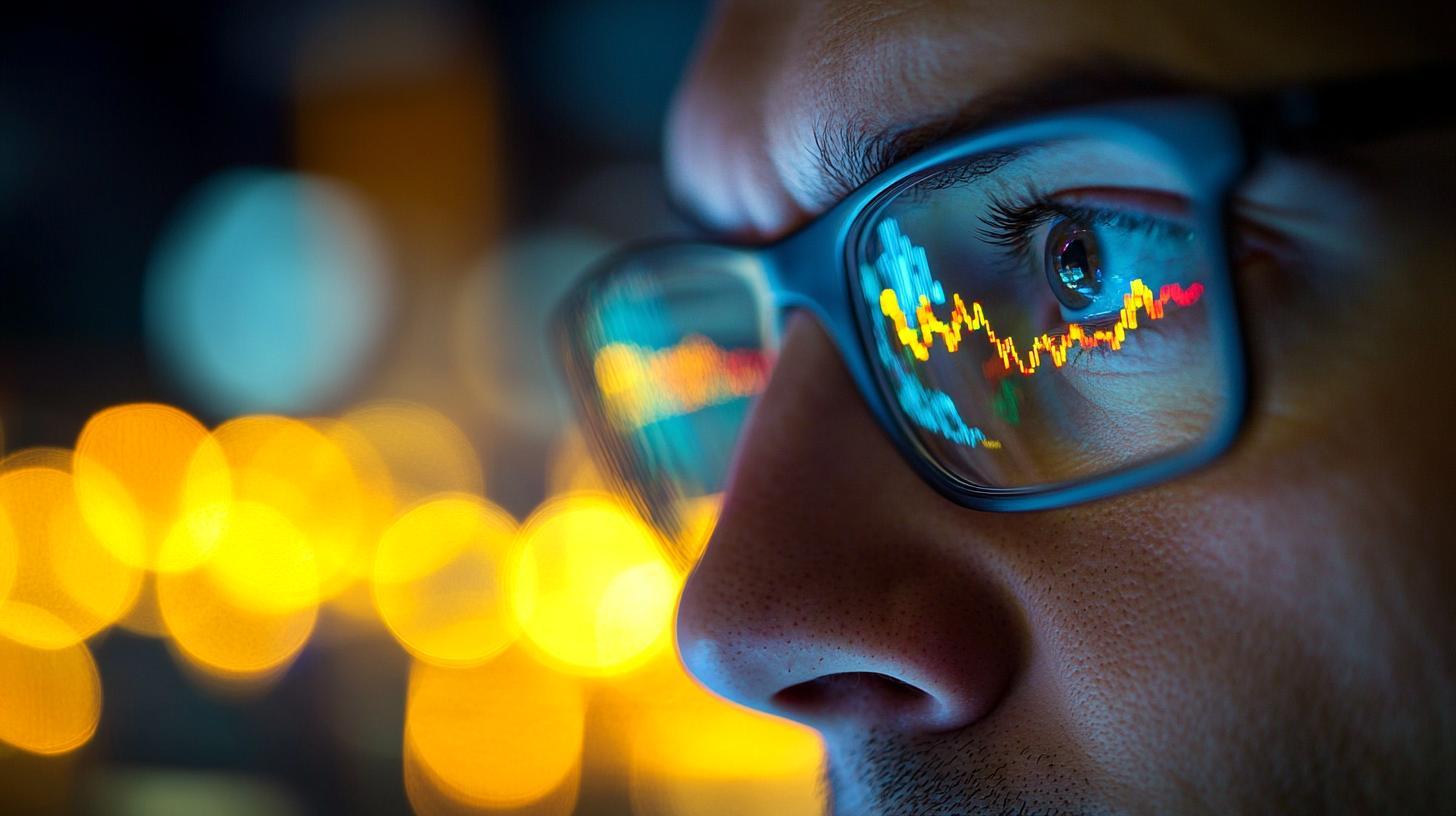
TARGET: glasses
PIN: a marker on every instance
(1037, 315)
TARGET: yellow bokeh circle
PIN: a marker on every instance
(424, 451)
(590, 587)
(142, 469)
(300, 473)
(377, 491)
(39, 456)
(51, 696)
(249, 609)
(503, 734)
(9, 555)
(59, 565)
(439, 580)
(429, 796)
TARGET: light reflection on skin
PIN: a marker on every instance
(1245, 638)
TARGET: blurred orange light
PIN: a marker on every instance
(137, 472)
(429, 797)
(590, 587)
(424, 451)
(571, 466)
(52, 696)
(9, 555)
(694, 754)
(40, 456)
(500, 735)
(246, 612)
(58, 565)
(376, 492)
(439, 580)
(145, 616)
(292, 468)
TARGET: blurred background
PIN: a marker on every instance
(293, 518)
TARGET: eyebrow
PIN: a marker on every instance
(847, 155)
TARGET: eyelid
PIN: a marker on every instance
(1159, 204)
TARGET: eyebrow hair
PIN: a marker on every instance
(848, 154)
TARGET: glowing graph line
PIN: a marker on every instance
(921, 341)
(928, 408)
(904, 267)
(901, 274)
(641, 385)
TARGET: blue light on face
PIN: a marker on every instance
(266, 293)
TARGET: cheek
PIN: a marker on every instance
(1207, 630)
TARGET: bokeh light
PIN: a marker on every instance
(9, 555)
(145, 616)
(244, 613)
(500, 735)
(51, 696)
(267, 292)
(144, 469)
(39, 456)
(300, 473)
(424, 451)
(58, 565)
(343, 590)
(439, 580)
(498, 328)
(570, 468)
(136, 790)
(694, 754)
(428, 795)
(590, 587)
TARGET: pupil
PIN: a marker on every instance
(1073, 268)
(1074, 265)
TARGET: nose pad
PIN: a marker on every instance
(828, 593)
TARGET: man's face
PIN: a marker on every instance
(1276, 633)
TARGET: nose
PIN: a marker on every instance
(838, 589)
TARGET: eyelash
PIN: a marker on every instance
(1010, 223)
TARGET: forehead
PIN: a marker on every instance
(776, 81)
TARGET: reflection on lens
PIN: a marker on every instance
(667, 355)
(1046, 319)
(1073, 268)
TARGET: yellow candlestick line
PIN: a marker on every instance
(921, 340)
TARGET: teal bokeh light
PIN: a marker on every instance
(266, 293)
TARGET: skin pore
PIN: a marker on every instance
(1276, 633)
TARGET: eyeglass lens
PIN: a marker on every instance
(1033, 316)
(1040, 315)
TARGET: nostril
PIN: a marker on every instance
(868, 697)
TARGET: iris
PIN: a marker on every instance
(1073, 265)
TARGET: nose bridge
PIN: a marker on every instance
(821, 595)
(810, 271)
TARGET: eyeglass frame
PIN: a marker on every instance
(1215, 141)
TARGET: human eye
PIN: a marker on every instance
(1105, 263)
(1092, 244)
(1051, 315)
